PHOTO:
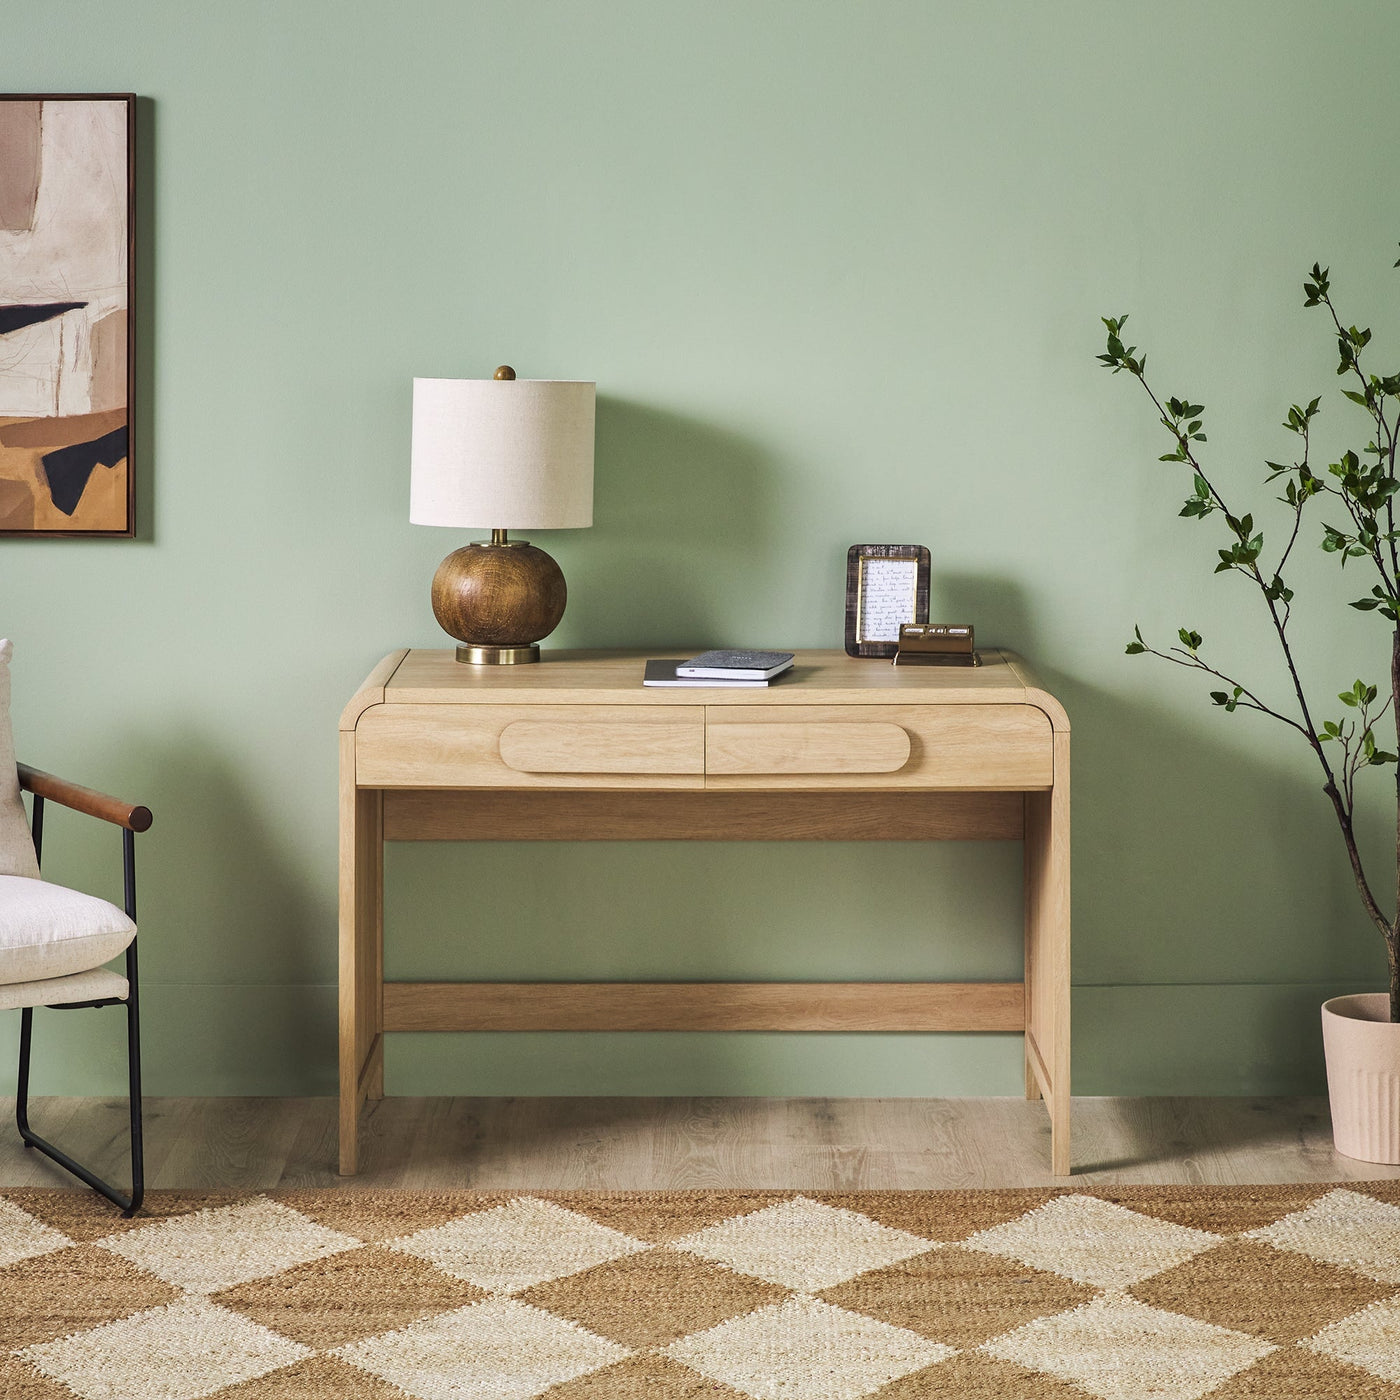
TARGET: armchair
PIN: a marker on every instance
(55, 942)
(43, 906)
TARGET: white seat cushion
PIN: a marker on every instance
(101, 984)
(51, 931)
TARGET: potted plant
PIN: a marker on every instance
(1361, 1034)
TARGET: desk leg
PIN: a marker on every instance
(1047, 954)
(361, 952)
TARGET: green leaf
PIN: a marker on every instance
(1134, 649)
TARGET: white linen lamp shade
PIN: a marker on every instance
(512, 454)
(502, 453)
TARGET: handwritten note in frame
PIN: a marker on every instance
(886, 584)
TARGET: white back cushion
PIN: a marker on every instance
(16, 847)
(52, 931)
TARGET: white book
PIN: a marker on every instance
(664, 673)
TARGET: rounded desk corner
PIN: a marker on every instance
(1036, 694)
(371, 692)
(1052, 709)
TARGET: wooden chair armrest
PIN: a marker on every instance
(81, 799)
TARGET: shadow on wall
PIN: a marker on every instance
(240, 903)
(237, 943)
(1210, 883)
(1187, 843)
(676, 503)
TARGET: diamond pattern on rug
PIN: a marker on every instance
(956, 1296)
(1051, 1295)
(501, 1349)
(1120, 1349)
(1294, 1373)
(805, 1349)
(973, 1375)
(1229, 1212)
(647, 1300)
(510, 1247)
(1093, 1241)
(1251, 1287)
(21, 1381)
(85, 1217)
(1345, 1228)
(649, 1377)
(357, 1293)
(946, 1217)
(316, 1378)
(1369, 1339)
(176, 1352)
(803, 1244)
(95, 1286)
(215, 1249)
(24, 1237)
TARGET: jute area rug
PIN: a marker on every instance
(1124, 1294)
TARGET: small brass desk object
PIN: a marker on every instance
(935, 644)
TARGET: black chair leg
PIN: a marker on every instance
(128, 1205)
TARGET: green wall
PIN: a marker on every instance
(837, 270)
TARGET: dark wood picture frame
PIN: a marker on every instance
(105, 439)
(857, 559)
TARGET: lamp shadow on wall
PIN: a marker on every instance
(682, 509)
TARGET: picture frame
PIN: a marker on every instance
(67, 302)
(886, 584)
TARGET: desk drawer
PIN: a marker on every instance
(529, 746)
(1007, 747)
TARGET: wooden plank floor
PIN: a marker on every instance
(573, 1143)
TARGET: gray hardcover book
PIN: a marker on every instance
(737, 665)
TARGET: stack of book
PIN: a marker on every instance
(720, 668)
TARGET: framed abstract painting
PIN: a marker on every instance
(66, 256)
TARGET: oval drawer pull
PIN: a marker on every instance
(867, 747)
(539, 746)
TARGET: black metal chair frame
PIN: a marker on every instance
(127, 1204)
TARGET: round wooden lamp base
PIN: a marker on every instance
(498, 600)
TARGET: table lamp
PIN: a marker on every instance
(501, 454)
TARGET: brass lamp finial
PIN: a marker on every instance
(504, 372)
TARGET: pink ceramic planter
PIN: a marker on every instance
(1363, 1076)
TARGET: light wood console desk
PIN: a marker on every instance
(575, 749)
